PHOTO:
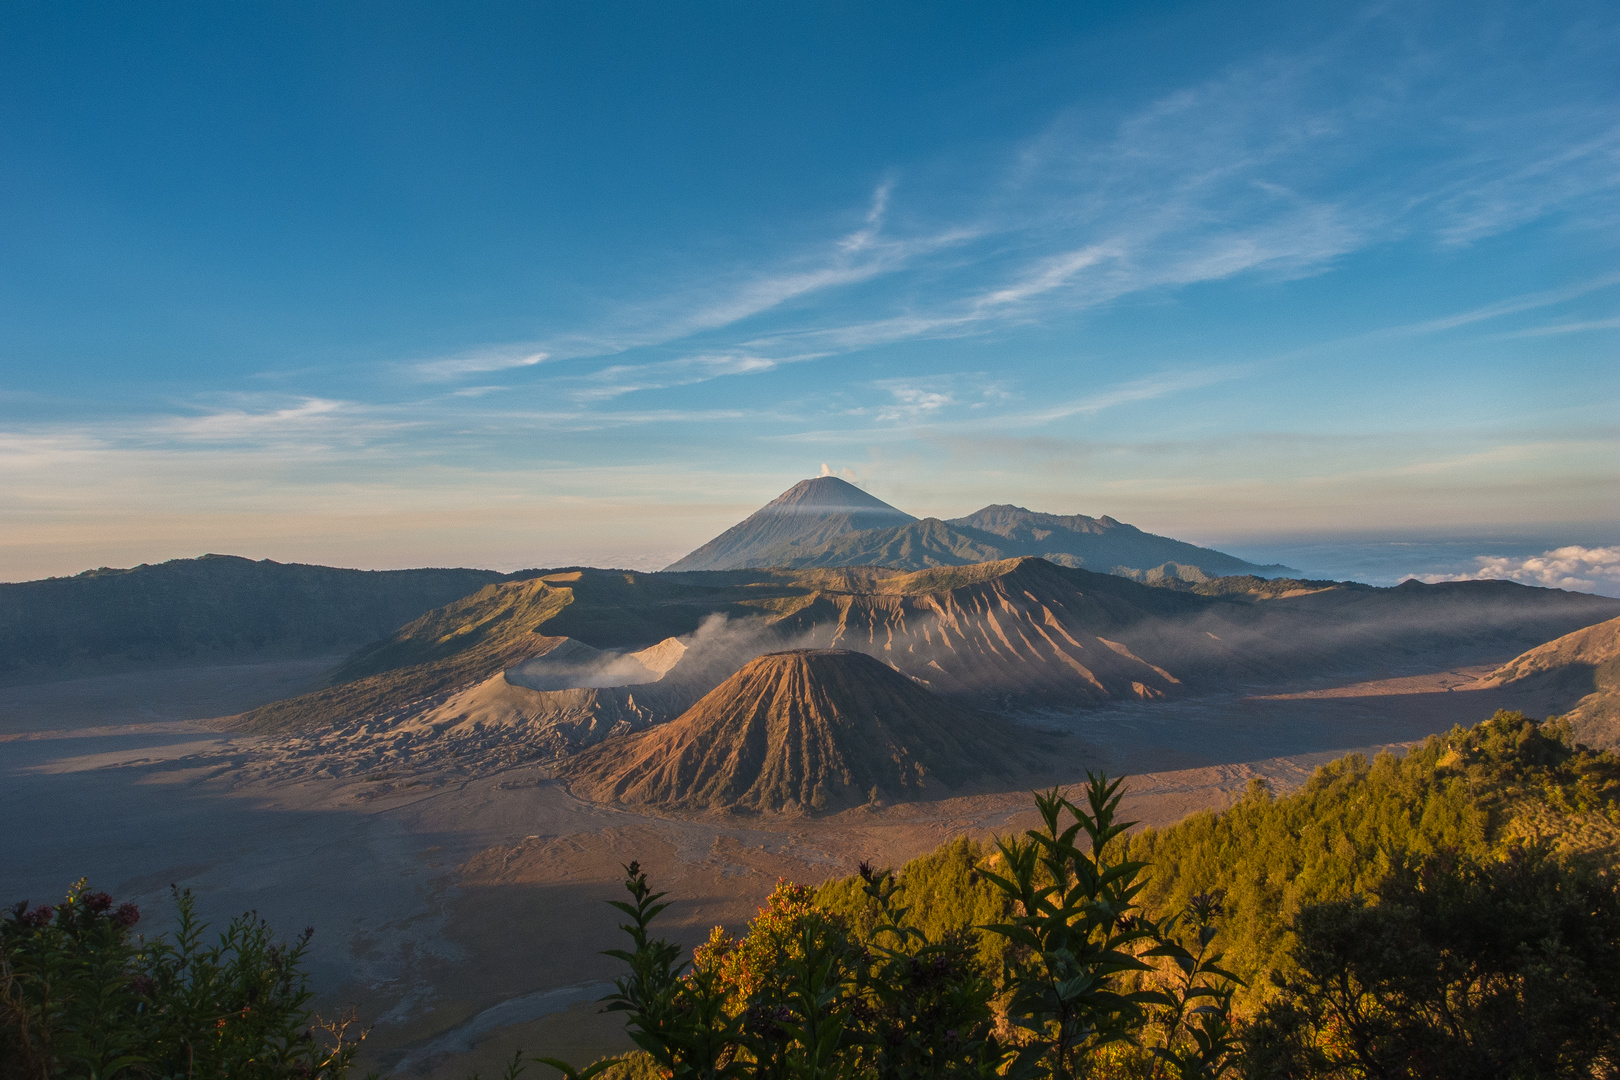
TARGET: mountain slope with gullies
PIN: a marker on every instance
(805, 730)
(1583, 670)
(1010, 635)
(501, 627)
(1007, 632)
(1018, 631)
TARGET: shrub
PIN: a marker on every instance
(81, 995)
(808, 993)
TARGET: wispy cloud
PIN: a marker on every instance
(1561, 328)
(911, 402)
(229, 425)
(1552, 173)
(1278, 167)
(1046, 275)
(732, 296)
(1511, 306)
(476, 363)
(619, 379)
(862, 238)
(933, 408)
(1148, 388)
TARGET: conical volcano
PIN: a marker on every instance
(808, 729)
(803, 518)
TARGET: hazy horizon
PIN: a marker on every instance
(1579, 556)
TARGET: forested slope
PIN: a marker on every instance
(1488, 793)
(1505, 785)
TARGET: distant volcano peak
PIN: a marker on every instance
(807, 516)
(826, 521)
(830, 494)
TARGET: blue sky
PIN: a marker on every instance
(516, 285)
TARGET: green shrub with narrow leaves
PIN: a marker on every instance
(82, 995)
(1084, 975)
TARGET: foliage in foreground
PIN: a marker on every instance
(1481, 794)
(1448, 915)
(1088, 980)
(1455, 914)
(81, 995)
(1452, 967)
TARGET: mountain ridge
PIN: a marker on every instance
(1586, 663)
(211, 609)
(1009, 634)
(827, 522)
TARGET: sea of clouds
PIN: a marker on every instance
(1580, 569)
(1589, 563)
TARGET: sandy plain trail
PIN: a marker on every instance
(464, 919)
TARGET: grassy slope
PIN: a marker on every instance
(214, 608)
(1586, 662)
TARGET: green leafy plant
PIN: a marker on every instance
(681, 1022)
(925, 1009)
(805, 995)
(83, 996)
(1076, 926)
(1194, 1008)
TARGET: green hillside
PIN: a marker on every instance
(211, 609)
(1450, 913)
(1505, 786)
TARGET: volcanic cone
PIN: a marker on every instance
(809, 730)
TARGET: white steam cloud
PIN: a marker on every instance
(1579, 569)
